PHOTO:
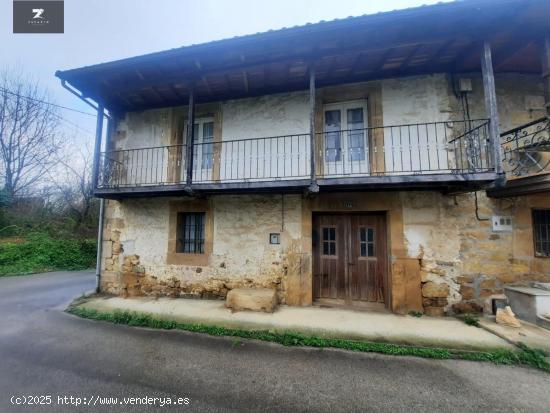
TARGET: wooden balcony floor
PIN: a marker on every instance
(437, 182)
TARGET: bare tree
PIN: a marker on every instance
(73, 181)
(29, 133)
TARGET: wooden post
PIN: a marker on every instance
(312, 141)
(97, 146)
(491, 104)
(190, 137)
(545, 57)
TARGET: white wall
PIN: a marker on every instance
(276, 117)
(147, 129)
(412, 100)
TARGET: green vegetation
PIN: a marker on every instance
(471, 320)
(417, 314)
(523, 356)
(46, 233)
(40, 252)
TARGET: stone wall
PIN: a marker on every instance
(461, 261)
(136, 236)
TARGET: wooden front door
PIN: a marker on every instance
(350, 258)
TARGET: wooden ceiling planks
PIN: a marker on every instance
(341, 51)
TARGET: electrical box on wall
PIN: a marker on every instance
(501, 223)
(274, 238)
(465, 84)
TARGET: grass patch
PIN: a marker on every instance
(471, 320)
(523, 356)
(416, 314)
(40, 252)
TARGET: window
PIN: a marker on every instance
(356, 134)
(203, 132)
(345, 131)
(190, 232)
(366, 242)
(541, 232)
(207, 147)
(329, 241)
(333, 145)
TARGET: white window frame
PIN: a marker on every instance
(345, 160)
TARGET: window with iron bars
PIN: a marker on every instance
(190, 232)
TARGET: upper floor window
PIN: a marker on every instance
(204, 137)
(190, 232)
(344, 131)
(541, 232)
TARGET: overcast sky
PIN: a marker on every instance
(103, 30)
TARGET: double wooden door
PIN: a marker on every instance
(350, 258)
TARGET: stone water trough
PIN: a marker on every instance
(531, 304)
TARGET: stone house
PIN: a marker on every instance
(392, 161)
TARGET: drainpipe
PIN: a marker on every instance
(313, 187)
(95, 179)
(99, 245)
(96, 165)
(81, 96)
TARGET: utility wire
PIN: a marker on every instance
(74, 125)
(46, 103)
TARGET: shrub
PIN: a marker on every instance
(40, 252)
(471, 320)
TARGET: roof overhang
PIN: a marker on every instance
(441, 38)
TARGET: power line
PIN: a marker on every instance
(74, 125)
(46, 103)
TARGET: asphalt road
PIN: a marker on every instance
(45, 352)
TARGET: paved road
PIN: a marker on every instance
(44, 351)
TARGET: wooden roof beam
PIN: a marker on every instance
(245, 80)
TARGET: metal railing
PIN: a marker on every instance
(160, 165)
(526, 149)
(256, 159)
(452, 147)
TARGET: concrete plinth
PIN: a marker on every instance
(527, 302)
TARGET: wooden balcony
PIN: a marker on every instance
(453, 155)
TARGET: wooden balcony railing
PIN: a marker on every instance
(454, 147)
